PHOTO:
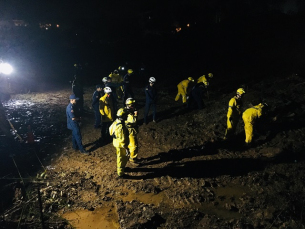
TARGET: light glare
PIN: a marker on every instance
(6, 68)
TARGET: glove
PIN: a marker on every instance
(127, 153)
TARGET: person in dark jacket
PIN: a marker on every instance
(196, 97)
(78, 91)
(151, 99)
(95, 105)
(73, 123)
(127, 86)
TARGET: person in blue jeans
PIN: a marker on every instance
(151, 99)
(128, 92)
(96, 105)
(73, 123)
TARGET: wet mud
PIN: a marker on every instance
(188, 177)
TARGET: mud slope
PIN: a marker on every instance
(188, 177)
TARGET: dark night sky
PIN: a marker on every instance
(70, 9)
(121, 30)
(37, 10)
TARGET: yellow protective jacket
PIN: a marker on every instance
(119, 132)
(116, 78)
(131, 121)
(251, 114)
(184, 86)
(106, 108)
(203, 79)
(234, 109)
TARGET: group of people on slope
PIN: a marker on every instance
(249, 116)
(192, 93)
(124, 129)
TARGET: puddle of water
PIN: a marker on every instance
(103, 218)
(235, 191)
(146, 198)
(46, 122)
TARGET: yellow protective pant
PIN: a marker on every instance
(182, 92)
(248, 132)
(231, 127)
(122, 160)
(133, 144)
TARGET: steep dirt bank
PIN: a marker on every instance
(188, 177)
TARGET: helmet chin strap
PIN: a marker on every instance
(130, 107)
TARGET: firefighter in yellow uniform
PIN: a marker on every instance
(116, 78)
(132, 126)
(119, 132)
(106, 106)
(250, 116)
(183, 89)
(203, 79)
(234, 112)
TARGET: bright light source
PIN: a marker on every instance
(188, 25)
(6, 68)
(123, 68)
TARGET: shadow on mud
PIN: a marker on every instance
(204, 168)
(178, 155)
(208, 168)
(97, 144)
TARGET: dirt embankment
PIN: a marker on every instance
(188, 177)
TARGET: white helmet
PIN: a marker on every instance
(152, 80)
(130, 101)
(105, 79)
(107, 90)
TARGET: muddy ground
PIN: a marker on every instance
(188, 176)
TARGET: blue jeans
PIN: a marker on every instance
(77, 139)
(97, 115)
(149, 104)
